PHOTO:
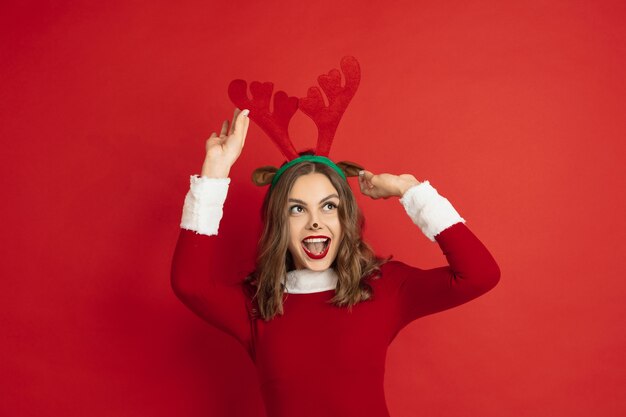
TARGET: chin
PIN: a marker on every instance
(320, 267)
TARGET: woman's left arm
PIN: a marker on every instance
(471, 269)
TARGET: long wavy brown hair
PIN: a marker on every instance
(355, 260)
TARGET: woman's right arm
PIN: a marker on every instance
(200, 275)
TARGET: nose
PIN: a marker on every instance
(314, 224)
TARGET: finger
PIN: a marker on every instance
(245, 129)
(365, 191)
(208, 141)
(241, 120)
(232, 124)
(363, 181)
(246, 123)
(224, 128)
(368, 179)
(241, 126)
(368, 176)
(363, 186)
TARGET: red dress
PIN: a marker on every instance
(318, 359)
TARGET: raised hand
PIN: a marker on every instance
(222, 151)
(385, 185)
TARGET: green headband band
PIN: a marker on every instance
(312, 158)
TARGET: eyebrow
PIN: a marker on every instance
(295, 200)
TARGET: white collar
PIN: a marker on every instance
(305, 281)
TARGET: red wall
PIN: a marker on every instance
(513, 110)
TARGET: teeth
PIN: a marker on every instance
(316, 245)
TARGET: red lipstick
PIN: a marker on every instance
(316, 255)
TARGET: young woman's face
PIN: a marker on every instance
(314, 228)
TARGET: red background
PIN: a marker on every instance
(513, 110)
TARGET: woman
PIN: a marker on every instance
(319, 311)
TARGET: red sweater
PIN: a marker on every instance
(317, 359)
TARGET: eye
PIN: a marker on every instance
(332, 205)
(296, 207)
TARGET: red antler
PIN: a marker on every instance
(327, 118)
(274, 124)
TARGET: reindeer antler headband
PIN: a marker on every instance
(325, 117)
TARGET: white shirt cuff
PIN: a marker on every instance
(428, 210)
(204, 201)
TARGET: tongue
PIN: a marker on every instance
(316, 247)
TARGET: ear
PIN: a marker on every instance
(264, 175)
(351, 169)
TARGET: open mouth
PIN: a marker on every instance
(316, 247)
